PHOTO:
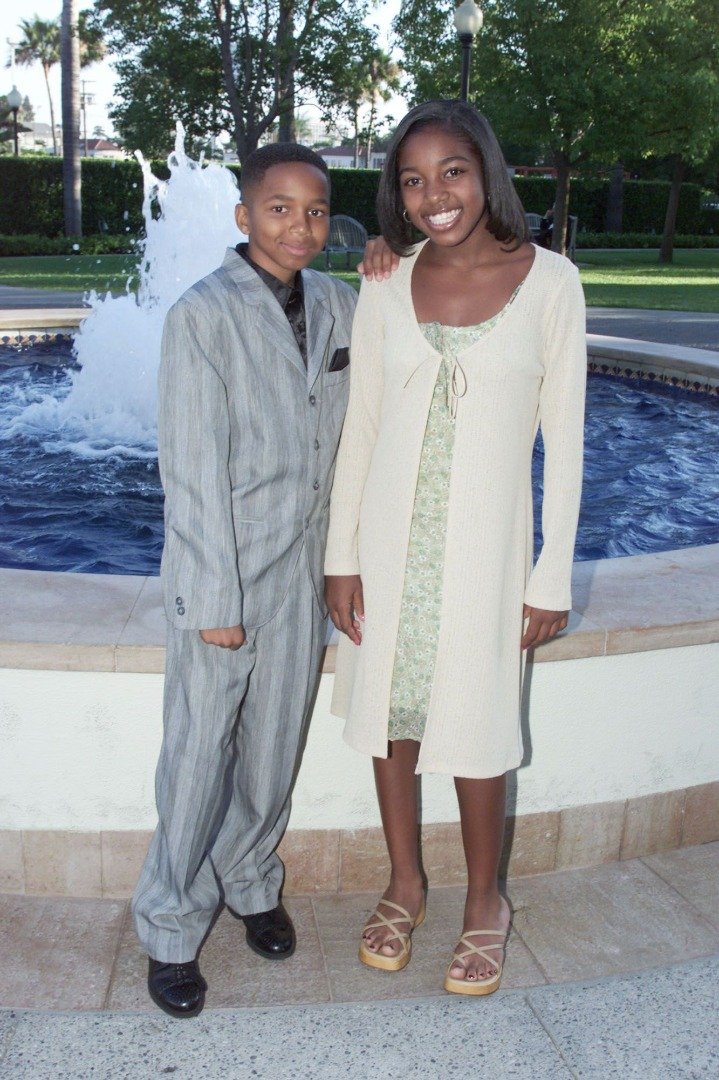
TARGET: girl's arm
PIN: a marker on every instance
(561, 416)
(343, 591)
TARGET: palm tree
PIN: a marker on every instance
(40, 43)
(381, 81)
(369, 83)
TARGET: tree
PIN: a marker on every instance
(363, 82)
(241, 65)
(545, 70)
(71, 178)
(27, 112)
(40, 43)
(678, 91)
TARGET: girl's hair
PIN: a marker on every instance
(505, 214)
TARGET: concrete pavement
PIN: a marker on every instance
(699, 330)
(612, 971)
(654, 1025)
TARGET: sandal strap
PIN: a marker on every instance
(479, 950)
(400, 935)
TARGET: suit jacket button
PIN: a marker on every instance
(179, 600)
(313, 399)
(317, 444)
(180, 610)
(316, 485)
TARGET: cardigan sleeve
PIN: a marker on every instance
(359, 432)
(561, 417)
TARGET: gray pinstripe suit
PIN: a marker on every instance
(247, 440)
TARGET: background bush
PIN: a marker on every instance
(67, 245)
(112, 199)
(641, 240)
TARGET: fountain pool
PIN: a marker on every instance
(623, 706)
(94, 505)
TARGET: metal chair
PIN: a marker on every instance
(347, 236)
(533, 223)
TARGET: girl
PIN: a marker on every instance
(477, 339)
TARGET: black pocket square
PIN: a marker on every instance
(340, 359)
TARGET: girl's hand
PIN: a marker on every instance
(345, 602)
(542, 625)
(379, 262)
(228, 637)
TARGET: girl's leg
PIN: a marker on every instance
(482, 809)
(397, 793)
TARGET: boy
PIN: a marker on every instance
(252, 394)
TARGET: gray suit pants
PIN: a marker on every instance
(233, 723)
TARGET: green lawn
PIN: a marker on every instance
(637, 280)
(610, 278)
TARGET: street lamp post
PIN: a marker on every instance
(14, 101)
(468, 20)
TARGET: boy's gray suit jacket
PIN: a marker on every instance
(247, 443)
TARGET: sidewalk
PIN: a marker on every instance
(657, 1025)
(591, 988)
(697, 330)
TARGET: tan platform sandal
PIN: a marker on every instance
(476, 987)
(402, 958)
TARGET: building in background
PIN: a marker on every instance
(343, 157)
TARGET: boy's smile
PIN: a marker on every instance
(286, 217)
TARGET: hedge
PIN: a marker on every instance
(67, 245)
(642, 240)
(112, 198)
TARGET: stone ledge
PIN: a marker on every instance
(64, 863)
(674, 365)
(18, 321)
(114, 623)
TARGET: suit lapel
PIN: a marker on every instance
(272, 324)
(278, 332)
(320, 322)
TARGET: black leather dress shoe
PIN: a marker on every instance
(178, 989)
(271, 933)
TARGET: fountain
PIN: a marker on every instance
(110, 405)
(623, 707)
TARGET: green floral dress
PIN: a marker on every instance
(422, 596)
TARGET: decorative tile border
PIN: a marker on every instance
(703, 385)
(52, 335)
(61, 863)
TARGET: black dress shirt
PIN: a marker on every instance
(291, 298)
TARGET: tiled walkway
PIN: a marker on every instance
(625, 917)
(612, 972)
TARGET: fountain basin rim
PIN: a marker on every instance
(696, 369)
(115, 623)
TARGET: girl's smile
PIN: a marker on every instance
(442, 185)
(444, 220)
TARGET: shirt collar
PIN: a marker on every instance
(280, 290)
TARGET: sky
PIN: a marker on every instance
(99, 78)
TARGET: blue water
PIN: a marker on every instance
(650, 484)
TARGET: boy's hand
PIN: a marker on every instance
(229, 637)
(379, 262)
(345, 602)
(542, 625)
